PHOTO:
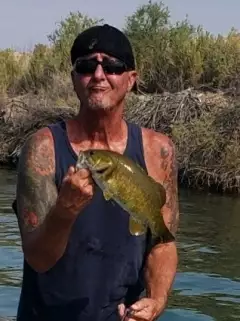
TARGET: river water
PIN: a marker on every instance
(207, 285)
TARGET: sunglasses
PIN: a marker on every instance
(109, 66)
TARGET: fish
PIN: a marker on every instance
(124, 181)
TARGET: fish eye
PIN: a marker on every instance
(91, 152)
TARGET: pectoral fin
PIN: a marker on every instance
(135, 227)
(81, 161)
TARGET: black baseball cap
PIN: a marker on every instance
(106, 39)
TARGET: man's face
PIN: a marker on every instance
(101, 87)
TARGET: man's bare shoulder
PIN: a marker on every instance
(38, 152)
(155, 136)
(40, 137)
(36, 190)
(157, 143)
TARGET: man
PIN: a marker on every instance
(80, 261)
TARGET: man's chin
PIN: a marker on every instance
(99, 105)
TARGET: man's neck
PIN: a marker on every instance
(102, 128)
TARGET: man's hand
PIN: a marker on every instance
(145, 309)
(76, 192)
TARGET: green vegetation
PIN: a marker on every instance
(45, 65)
(170, 59)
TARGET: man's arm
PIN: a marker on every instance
(161, 264)
(44, 234)
(162, 261)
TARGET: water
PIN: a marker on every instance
(207, 286)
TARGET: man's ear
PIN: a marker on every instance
(132, 78)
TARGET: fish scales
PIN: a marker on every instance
(131, 186)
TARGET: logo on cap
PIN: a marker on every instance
(93, 43)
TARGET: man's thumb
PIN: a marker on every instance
(121, 309)
(140, 305)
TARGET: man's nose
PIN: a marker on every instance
(99, 73)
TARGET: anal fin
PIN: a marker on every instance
(135, 227)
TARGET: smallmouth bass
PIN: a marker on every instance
(125, 182)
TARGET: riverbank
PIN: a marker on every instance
(205, 126)
(36, 89)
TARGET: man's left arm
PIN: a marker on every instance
(162, 261)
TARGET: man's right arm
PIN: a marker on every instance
(43, 235)
(45, 219)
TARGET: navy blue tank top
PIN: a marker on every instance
(103, 263)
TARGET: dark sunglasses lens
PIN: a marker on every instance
(113, 67)
(109, 66)
(86, 66)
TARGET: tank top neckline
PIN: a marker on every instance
(75, 156)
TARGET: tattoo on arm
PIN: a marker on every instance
(170, 182)
(36, 190)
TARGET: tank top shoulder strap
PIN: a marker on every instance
(134, 148)
(64, 155)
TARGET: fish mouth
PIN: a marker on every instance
(82, 161)
(86, 160)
